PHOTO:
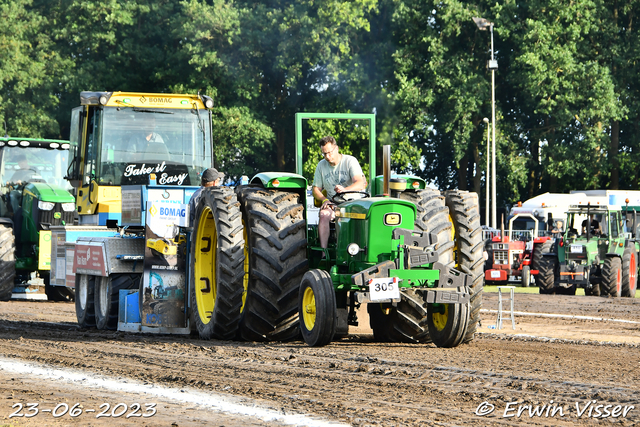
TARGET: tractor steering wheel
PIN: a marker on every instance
(340, 197)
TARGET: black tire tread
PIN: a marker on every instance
(610, 268)
(465, 213)
(276, 230)
(229, 268)
(546, 267)
(87, 317)
(7, 262)
(629, 249)
(115, 283)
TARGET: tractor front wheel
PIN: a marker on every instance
(629, 271)
(107, 297)
(85, 306)
(611, 277)
(447, 323)
(526, 276)
(317, 308)
(217, 264)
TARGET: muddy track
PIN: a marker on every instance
(355, 380)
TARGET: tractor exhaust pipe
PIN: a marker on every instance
(386, 169)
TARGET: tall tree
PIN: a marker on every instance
(30, 68)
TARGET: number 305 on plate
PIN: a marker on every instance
(384, 288)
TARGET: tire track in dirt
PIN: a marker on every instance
(353, 380)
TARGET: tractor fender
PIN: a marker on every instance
(279, 180)
(613, 255)
(7, 221)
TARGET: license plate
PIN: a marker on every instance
(384, 288)
(576, 249)
(495, 274)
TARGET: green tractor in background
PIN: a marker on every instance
(33, 196)
(603, 260)
(413, 255)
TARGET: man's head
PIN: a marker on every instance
(210, 177)
(329, 150)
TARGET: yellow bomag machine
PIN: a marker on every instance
(135, 161)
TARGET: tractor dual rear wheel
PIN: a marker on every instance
(464, 211)
(317, 308)
(217, 264)
(611, 277)
(85, 301)
(107, 297)
(629, 271)
(7, 261)
(276, 246)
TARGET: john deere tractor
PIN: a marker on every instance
(413, 255)
(33, 197)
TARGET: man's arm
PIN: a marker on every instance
(358, 184)
(317, 193)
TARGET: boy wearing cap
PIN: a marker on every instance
(210, 178)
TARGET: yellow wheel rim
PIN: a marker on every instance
(309, 309)
(205, 261)
(440, 319)
(453, 239)
(245, 280)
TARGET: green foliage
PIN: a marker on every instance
(352, 136)
(567, 93)
(239, 142)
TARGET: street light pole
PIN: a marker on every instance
(483, 24)
(486, 176)
(493, 132)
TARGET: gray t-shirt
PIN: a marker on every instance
(327, 176)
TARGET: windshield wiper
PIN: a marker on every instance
(200, 125)
(144, 110)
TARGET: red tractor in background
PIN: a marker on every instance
(513, 256)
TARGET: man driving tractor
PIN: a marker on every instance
(335, 173)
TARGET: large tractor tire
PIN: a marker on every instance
(7, 261)
(629, 271)
(611, 277)
(448, 324)
(548, 268)
(406, 322)
(433, 216)
(276, 247)
(464, 211)
(107, 297)
(317, 308)
(593, 291)
(85, 306)
(217, 264)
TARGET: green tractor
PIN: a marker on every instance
(595, 253)
(33, 197)
(396, 251)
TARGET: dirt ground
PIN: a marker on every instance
(548, 371)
